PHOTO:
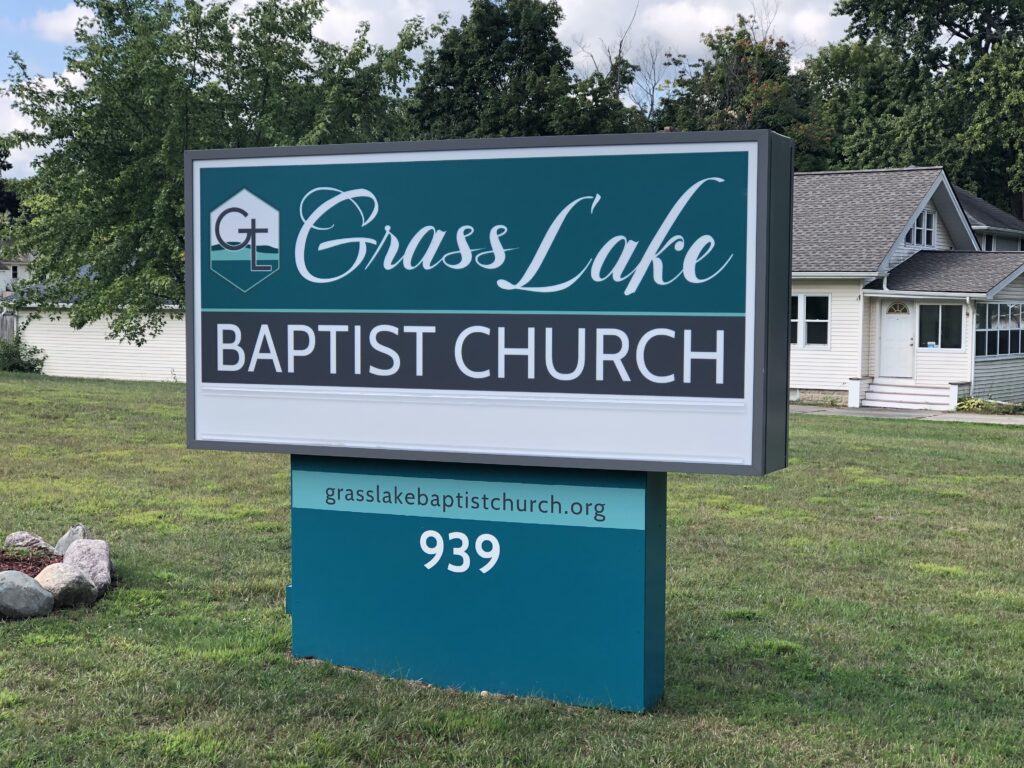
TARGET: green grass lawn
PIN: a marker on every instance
(865, 606)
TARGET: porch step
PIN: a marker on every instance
(903, 405)
(925, 400)
(899, 392)
(889, 393)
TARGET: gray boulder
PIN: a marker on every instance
(93, 557)
(75, 532)
(21, 596)
(26, 540)
(69, 585)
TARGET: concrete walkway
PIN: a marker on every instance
(894, 413)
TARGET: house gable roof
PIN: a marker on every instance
(850, 221)
(982, 214)
(955, 272)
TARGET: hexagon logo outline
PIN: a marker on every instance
(245, 240)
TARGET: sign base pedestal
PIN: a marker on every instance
(525, 581)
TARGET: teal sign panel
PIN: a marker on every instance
(527, 581)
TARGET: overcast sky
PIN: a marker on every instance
(39, 29)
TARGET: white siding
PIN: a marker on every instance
(1001, 242)
(868, 363)
(88, 353)
(1014, 292)
(932, 367)
(904, 250)
(834, 366)
(942, 239)
(999, 379)
(7, 276)
(901, 253)
(939, 367)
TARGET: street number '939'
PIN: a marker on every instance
(486, 545)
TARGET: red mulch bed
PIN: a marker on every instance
(27, 562)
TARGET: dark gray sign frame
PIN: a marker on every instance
(773, 254)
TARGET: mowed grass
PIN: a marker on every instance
(863, 607)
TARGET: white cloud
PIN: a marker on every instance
(21, 161)
(386, 19)
(341, 17)
(677, 25)
(811, 27)
(674, 24)
(11, 119)
(58, 26)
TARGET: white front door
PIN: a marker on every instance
(896, 345)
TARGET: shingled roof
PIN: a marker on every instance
(981, 213)
(959, 272)
(847, 221)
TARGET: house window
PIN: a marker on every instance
(808, 320)
(999, 330)
(923, 231)
(988, 243)
(14, 272)
(941, 326)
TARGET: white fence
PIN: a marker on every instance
(8, 326)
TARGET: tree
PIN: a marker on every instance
(930, 83)
(503, 72)
(744, 83)
(148, 79)
(654, 72)
(989, 154)
(874, 105)
(936, 30)
(8, 196)
(596, 104)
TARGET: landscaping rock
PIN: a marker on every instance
(75, 532)
(26, 540)
(69, 585)
(22, 597)
(93, 557)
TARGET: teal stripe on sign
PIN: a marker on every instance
(621, 508)
(261, 256)
(336, 311)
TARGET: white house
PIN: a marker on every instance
(995, 229)
(894, 304)
(89, 352)
(11, 270)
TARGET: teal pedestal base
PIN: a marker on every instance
(525, 581)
